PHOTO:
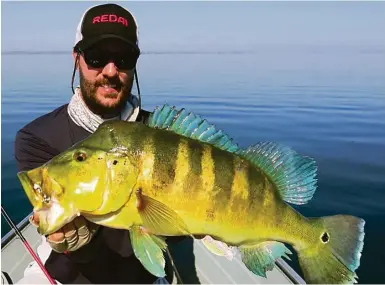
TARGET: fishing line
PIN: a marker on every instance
(174, 266)
(137, 87)
(26, 244)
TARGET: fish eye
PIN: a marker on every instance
(80, 156)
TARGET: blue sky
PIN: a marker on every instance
(203, 25)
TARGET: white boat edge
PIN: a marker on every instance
(210, 268)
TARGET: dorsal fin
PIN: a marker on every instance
(191, 126)
(292, 173)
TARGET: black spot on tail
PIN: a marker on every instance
(325, 237)
(115, 162)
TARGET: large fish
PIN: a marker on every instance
(178, 175)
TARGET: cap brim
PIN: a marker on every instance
(89, 42)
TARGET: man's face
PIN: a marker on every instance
(105, 82)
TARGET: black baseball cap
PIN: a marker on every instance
(106, 21)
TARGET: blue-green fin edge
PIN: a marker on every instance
(191, 126)
(149, 250)
(261, 258)
(293, 174)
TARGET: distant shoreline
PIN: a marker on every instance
(319, 50)
(233, 50)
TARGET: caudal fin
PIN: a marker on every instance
(337, 255)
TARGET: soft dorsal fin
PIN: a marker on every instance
(292, 173)
(191, 126)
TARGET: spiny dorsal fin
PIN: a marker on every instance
(293, 174)
(191, 126)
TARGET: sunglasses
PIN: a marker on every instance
(98, 59)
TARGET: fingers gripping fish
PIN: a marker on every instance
(178, 175)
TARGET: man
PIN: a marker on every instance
(105, 54)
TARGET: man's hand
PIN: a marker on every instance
(72, 236)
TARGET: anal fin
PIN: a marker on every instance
(261, 257)
(149, 250)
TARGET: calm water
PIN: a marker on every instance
(329, 104)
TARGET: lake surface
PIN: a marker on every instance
(326, 103)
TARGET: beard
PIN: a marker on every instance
(88, 92)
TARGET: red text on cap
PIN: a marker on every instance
(109, 18)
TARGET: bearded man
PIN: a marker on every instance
(105, 54)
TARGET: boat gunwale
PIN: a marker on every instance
(9, 236)
(282, 265)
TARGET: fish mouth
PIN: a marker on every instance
(30, 188)
(39, 189)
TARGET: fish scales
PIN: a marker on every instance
(164, 151)
(217, 186)
(213, 184)
(224, 176)
(193, 181)
(182, 169)
(176, 167)
(143, 154)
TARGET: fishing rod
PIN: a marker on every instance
(26, 244)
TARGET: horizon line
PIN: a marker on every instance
(253, 48)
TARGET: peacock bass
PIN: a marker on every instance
(178, 175)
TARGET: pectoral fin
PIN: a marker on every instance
(218, 247)
(261, 257)
(158, 218)
(149, 250)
